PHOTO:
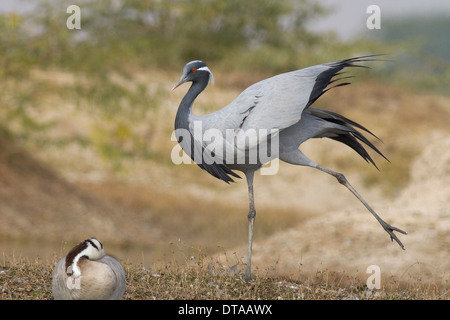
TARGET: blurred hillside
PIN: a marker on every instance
(125, 34)
(39, 205)
(86, 118)
(423, 56)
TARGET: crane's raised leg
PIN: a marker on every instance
(298, 158)
(386, 226)
(251, 221)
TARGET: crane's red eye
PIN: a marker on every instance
(193, 70)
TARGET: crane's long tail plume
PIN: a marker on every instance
(342, 129)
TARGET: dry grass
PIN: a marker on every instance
(142, 206)
(202, 278)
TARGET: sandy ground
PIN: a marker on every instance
(338, 233)
(351, 239)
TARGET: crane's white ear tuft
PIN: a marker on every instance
(211, 77)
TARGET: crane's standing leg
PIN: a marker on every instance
(298, 158)
(251, 221)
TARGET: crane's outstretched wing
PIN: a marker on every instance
(268, 107)
(278, 102)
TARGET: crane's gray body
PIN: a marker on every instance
(278, 110)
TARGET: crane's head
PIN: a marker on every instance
(195, 71)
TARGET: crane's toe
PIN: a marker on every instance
(390, 230)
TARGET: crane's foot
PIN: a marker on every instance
(390, 230)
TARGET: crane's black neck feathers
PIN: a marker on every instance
(218, 170)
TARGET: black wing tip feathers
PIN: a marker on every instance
(324, 79)
(352, 136)
(364, 58)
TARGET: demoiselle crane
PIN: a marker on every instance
(273, 115)
(86, 273)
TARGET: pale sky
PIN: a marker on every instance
(349, 17)
(347, 20)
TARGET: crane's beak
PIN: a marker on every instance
(176, 85)
(179, 83)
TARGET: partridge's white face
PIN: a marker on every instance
(94, 249)
(91, 249)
